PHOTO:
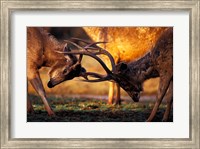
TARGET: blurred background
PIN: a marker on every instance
(124, 43)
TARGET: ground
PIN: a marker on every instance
(93, 110)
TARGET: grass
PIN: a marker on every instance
(92, 110)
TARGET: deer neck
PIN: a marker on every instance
(51, 45)
(142, 69)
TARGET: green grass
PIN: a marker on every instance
(92, 110)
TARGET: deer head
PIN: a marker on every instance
(65, 69)
(117, 73)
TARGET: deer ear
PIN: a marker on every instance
(66, 48)
(121, 67)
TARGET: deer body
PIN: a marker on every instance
(130, 76)
(125, 44)
(157, 63)
(41, 52)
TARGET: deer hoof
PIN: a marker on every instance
(118, 102)
(148, 120)
(30, 111)
(164, 120)
(109, 103)
(51, 113)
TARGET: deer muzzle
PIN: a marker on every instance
(74, 72)
(134, 95)
(52, 83)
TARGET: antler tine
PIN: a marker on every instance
(95, 75)
(92, 74)
(84, 52)
(80, 58)
(79, 47)
(102, 51)
(86, 47)
(94, 44)
(76, 45)
(78, 39)
(90, 44)
(112, 61)
(96, 80)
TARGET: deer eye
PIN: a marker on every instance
(65, 70)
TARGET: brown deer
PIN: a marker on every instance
(121, 41)
(130, 76)
(41, 47)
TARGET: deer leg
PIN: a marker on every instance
(36, 82)
(29, 106)
(117, 100)
(111, 92)
(163, 86)
(169, 99)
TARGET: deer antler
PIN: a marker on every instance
(93, 46)
(95, 75)
(89, 45)
(85, 51)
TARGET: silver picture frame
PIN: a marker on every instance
(8, 7)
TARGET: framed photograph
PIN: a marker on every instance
(50, 91)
